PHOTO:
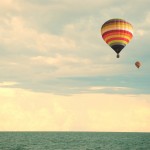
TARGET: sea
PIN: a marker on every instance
(74, 141)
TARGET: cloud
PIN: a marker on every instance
(9, 5)
(8, 83)
(81, 112)
(109, 88)
(55, 47)
(18, 36)
(46, 43)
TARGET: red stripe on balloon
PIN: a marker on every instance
(117, 32)
(117, 38)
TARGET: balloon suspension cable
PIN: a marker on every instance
(118, 56)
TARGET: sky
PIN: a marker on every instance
(58, 74)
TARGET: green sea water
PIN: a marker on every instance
(74, 141)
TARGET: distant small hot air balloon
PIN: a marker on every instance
(117, 33)
(137, 64)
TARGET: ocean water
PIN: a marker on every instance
(74, 141)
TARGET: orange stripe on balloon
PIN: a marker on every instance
(117, 34)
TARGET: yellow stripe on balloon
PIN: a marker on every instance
(116, 28)
(119, 26)
(118, 41)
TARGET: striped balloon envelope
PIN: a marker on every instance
(117, 33)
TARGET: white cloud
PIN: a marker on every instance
(142, 28)
(8, 83)
(9, 5)
(81, 112)
(59, 60)
(52, 42)
(141, 32)
(18, 35)
(74, 66)
(109, 88)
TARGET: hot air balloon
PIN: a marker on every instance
(137, 64)
(117, 33)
